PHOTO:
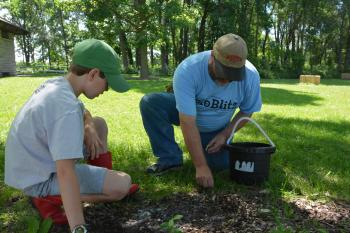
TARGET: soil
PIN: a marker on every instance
(205, 211)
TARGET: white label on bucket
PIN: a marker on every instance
(245, 166)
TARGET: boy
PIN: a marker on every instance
(53, 130)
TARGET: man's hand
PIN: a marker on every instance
(92, 141)
(194, 145)
(216, 143)
(204, 177)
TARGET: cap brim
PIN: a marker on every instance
(117, 82)
(229, 73)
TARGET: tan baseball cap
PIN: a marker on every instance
(230, 54)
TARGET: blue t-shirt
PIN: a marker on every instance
(212, 104)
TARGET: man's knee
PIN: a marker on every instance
(147, 101)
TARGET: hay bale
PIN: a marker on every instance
(345, 76)
(315, 79)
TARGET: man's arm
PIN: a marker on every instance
(91, 139)
(70, 192)
(219, 140)
(193, 142)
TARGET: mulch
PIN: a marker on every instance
(206, 211)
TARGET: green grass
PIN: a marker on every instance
(308, 123)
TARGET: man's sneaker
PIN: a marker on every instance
(159, 169)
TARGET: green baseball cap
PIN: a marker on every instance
(92, 53)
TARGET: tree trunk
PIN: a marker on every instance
(131, 61)
(267, 31)
(173, 39)
(347, 54)
(164, 48)
(201, 33)
(142, 44)
(185, 44)
(144, 62)
(152, 56)
(164, 59)
(64, 37)
(341, 40)
(124, 51)
(26, 49)
(138, 58)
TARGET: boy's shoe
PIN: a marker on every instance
(159, 169)
(133, 189)
(51, 207)
(104, 160)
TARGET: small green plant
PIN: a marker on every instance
(288, 211)
(35, 226)
(281, 229)
(169, 226)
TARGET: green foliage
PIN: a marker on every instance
(287, 35)
(35, 226)
(170, 226)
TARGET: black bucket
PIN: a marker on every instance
(250, 161)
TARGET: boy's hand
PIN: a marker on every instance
(92, 141)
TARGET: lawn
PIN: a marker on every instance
(310, 125)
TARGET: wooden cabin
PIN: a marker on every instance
(7, 47)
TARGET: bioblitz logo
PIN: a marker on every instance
(244, 166)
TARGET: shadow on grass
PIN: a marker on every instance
(270, 95)
(276, 96)
(312, 157)
(327, 82)
(335, 82)
(149, 86)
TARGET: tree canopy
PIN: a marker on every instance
(285, 37)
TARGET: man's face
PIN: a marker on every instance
(220, 81)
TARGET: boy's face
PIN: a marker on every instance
(95, 84)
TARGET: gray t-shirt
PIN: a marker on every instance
(49, 127)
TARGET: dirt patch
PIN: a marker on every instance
(224, 212)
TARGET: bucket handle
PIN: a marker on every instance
(255, 123)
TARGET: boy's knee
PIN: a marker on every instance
(101, 125)
(100, 122)
(120, 188)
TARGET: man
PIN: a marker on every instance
(208, 88)
(53, 129)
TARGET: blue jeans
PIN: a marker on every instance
(159, 114)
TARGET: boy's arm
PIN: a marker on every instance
(70, 192)
(91, 139)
